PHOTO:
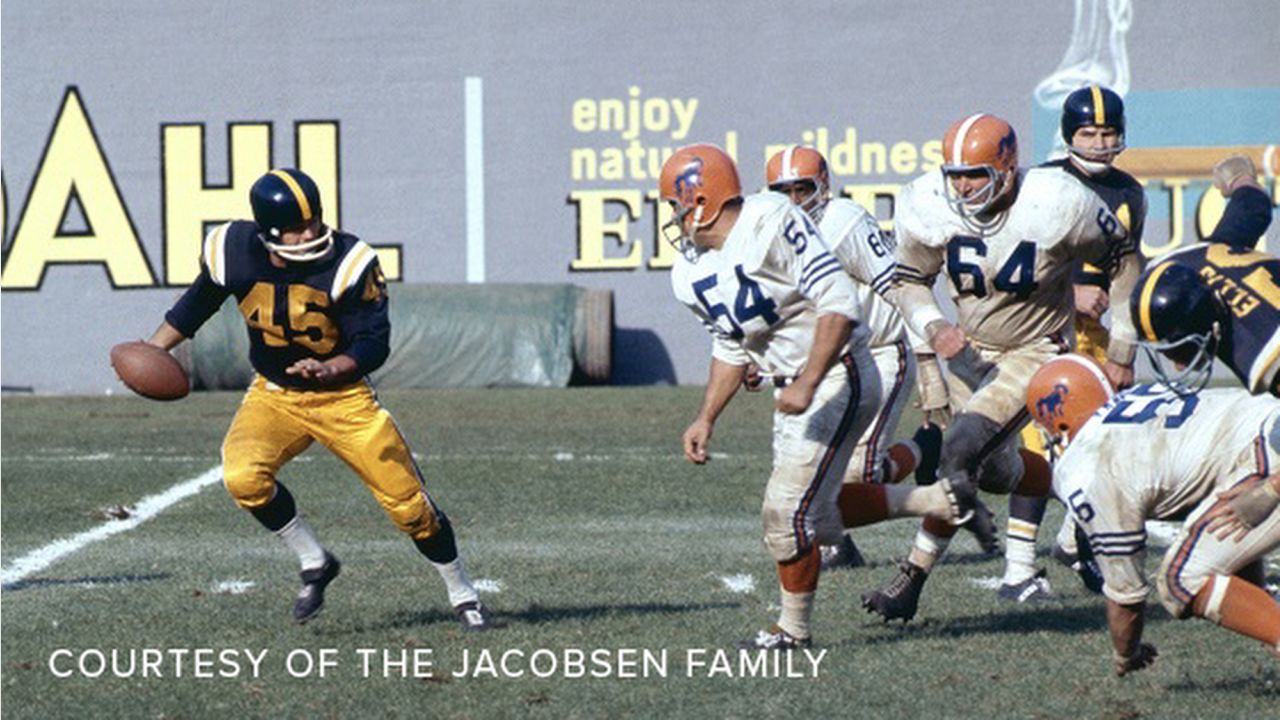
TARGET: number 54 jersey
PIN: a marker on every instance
(1153, 454)
(760, 294)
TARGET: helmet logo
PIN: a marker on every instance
(1053, 404)
(688, 181)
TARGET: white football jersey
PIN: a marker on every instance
(867, 255)
(761, 293)
(1011, 283)
(1152, 454)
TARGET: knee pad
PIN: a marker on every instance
(780, 514)
(1177, 606)
(250, 487)
(964, 441)
(1000, 471)
(414, 516)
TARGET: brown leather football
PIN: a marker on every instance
(149, 371)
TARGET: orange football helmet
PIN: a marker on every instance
(697, 180)
(797, 166)
(979, 144)
(1065, 392)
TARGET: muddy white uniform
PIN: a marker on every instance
(760, 296)
(1151, 454)
(1011, 285)
(866, 253)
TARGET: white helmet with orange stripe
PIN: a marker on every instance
(980, 164)
(801, 172)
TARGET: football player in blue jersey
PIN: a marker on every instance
(1093, 128)
(315, 302)
(1209, 301)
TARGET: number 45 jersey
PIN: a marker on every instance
(336, 305)
(761, 293)
(1011, 281)
(1153, 454)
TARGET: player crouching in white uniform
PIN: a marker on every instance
(1151, 453)
(756, 272)
(866, 254)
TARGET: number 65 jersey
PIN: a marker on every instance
(1153, 454)
(760, 294)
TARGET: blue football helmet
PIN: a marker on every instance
(287, 199)
(1179, 319)
(1093, 105)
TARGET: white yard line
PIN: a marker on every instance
(145, 509)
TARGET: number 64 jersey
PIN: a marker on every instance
(760, 294)
(1153, 454)
(1012, 281)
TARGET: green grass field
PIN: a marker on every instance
(588, 531)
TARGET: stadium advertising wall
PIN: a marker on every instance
(498, 142)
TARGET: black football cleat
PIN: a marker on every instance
(775, 638)
(929, 439)
(474, 616)
(844, 555)
(311, 597)
(899, 599)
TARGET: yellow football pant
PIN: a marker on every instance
(275, 424)
(1091, 339)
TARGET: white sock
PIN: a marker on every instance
(1019, 551)
(303, 542)
(456, 582)
(797, 608)
(927, 549)
(1067, 535)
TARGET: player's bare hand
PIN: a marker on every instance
(949, 341)
(795, 398)
(311, 369)
(1232, 172)
(1092, 301)
(753, 380)
(1243, 512)
(1142, 657)
(696, 438)
(1120, 376)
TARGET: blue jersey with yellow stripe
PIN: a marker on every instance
(1249, 284)
(336, 305)
(1125, 198)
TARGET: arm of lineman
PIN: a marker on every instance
(722, 382)
(1129, 653)
(829, 338)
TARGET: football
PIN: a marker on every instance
(149, 371)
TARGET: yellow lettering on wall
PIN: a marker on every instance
(190, 205)
(593, 228)
(1209, 212)
(664, 253)
(74, 166)
(869, 197)
(1175, 188)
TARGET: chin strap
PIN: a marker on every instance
(302, 252)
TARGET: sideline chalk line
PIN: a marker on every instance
(146, 508)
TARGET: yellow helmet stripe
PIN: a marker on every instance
(1144, 302)
(296, 189)
(1099, 111)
